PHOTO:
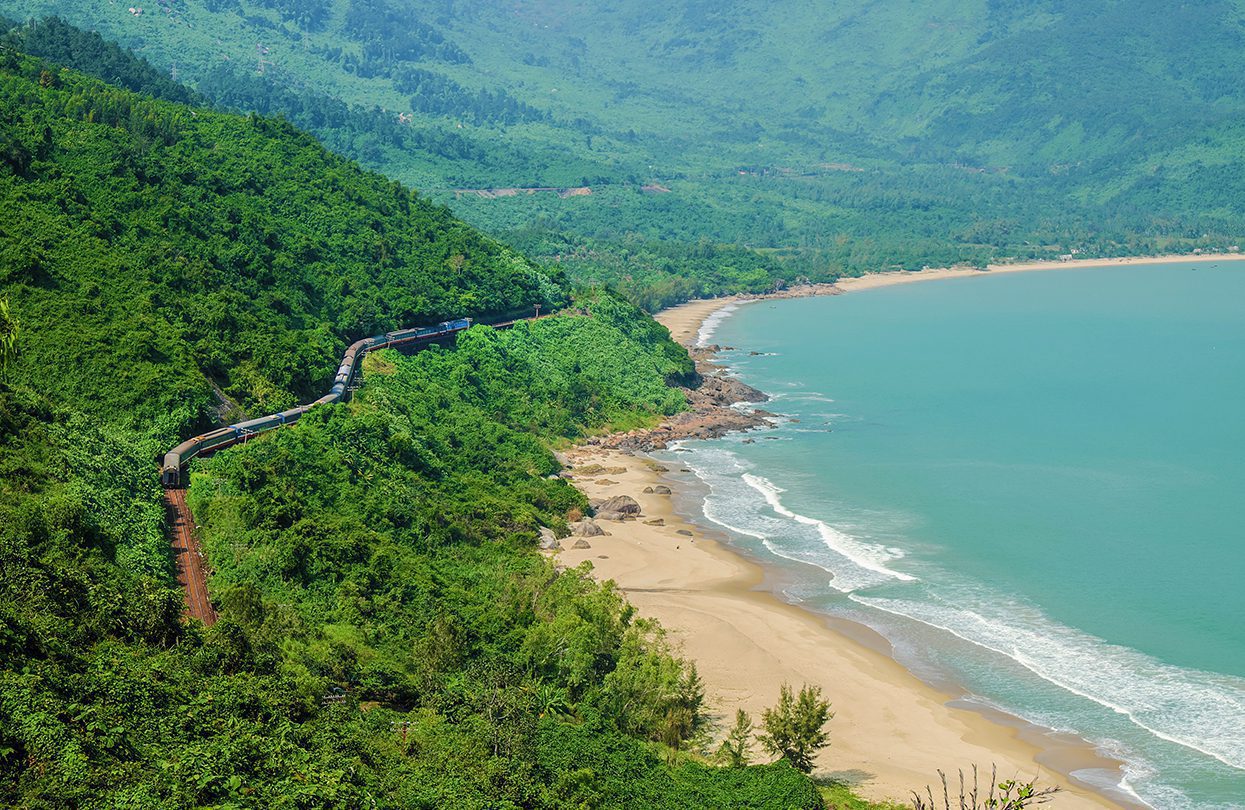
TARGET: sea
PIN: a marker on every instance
(1032, 485)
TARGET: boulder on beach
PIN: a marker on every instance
(582, 543)
(655, 522)
(586, 528)
(648, 490)
(684, 532)
(661, 490)
(604, 482)
(548, 540)
(622, 504)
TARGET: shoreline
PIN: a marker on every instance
(892, 730)
(685, 320)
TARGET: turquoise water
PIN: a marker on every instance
(1032, 484)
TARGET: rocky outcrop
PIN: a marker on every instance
(586, 528)
(620, 504)
(548, 540)
(718, 389)
(597, 469)
(711, 415)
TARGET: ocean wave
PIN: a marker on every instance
(733, 503)
(870, 556)
(803, 396)
(704, 335)
(1198, 710)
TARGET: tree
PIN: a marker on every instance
(735, 748)
(795, 728)
(9, 330)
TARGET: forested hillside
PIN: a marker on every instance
(389, 636)
(236, 250)
(818, 140)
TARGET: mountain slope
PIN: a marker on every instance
(237, 248)
(822, 139)
(389, 636)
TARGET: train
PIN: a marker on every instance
(171, 470)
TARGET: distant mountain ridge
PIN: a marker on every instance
(982, 129)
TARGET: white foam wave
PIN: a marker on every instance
(869, 556)
(803, 396)
(732, 503)
(710, 324)
(1201, 711)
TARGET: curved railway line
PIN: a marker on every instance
(192, 568)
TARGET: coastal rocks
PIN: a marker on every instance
(655, 522)
(701, 423)
(586, 528)
(548, 540)
(581, 543)
(620, 504)
(711, 398)
(648, 490)
(684, 532)
(715, 389)
(604, 482)
(661, 489)
(598, 469)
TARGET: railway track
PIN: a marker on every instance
(188, 556)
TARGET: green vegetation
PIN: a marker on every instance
(9, 330)
(736, 748)
(223, 251)
(796, 728)
(389, 635)
(839, 796)
(807, 144)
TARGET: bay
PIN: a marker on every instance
(1031, 484)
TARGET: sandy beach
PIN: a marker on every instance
(891, 731)
(684, 321)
